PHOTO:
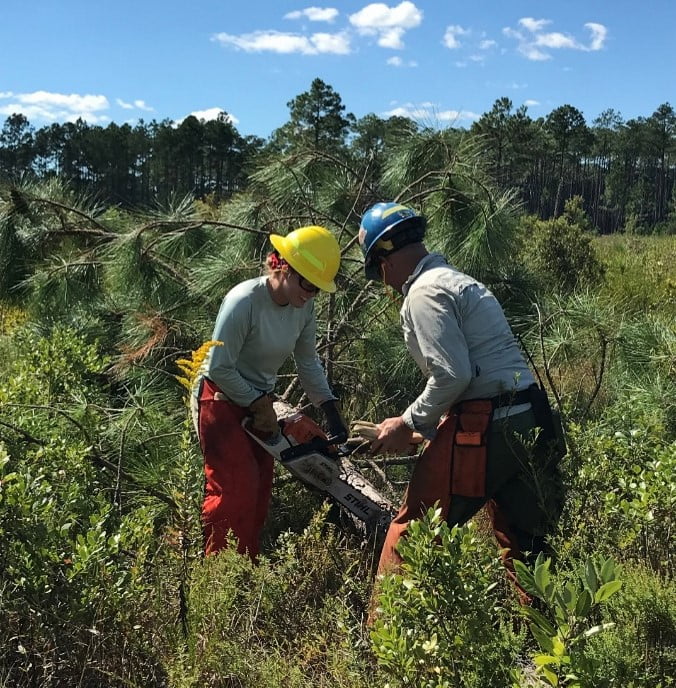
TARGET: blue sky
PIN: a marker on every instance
(440, 61)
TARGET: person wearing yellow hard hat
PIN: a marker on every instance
(261, 322)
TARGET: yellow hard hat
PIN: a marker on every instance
(313, 252)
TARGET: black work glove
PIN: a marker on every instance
(334, 418)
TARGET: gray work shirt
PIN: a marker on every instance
(457, 333)
(258, 336)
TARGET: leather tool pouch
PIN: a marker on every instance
(470, 450)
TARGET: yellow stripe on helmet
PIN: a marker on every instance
(394, 209)
(311, 258)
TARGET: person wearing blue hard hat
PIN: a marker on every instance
(480, 404)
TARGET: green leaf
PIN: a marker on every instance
(550, 676)
(606, 590)
(584, 603)
(543, 660)
(608, 570)
(542, 577)
(544, 641)
(525, 578)
(558, 648)
(536, 617)
(590, 576)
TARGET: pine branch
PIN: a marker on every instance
(103, 230)
(26, 436)
(95, 455)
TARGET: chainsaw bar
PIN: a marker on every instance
(304, 450)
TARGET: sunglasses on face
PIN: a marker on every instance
(305, 285)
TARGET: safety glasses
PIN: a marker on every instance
(305, 285)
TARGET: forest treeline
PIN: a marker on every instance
(624, 170)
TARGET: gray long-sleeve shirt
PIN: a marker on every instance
(258, 336)
(457, 333)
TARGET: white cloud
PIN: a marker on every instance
(396, 61)
(598, 35)
(535, 44)
(209, 114)
(556, 40)
(142, 105)
(378, 16)
(286, 43)
(137, 104)
(534, 25)
(333, 43)
(428, 112)
(45, 105)
(71, 101)
(487, 45)
(451, 36)
(327, 14)
(531, 103)
(530, 52)
(388, 23)
(391, 38)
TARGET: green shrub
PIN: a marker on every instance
(439, 621)
(640, 650)
(72, 581)
(622, 496)
(561, 251)
(292, 620)
(73, 563)
(569, 618)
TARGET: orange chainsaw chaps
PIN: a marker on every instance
(453, 463)
(430, 483)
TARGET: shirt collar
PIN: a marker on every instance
(429, 261)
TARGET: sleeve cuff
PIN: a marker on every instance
(407, 417)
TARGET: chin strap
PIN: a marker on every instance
(393, 295)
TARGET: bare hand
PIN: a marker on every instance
(394, 436)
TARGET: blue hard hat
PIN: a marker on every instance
(387, 227)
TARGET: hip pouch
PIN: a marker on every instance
(470, 449)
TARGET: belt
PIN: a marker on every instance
(522, 396)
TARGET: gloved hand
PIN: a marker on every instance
(335, 421)
(263, 416)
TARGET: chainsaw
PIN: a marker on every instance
(304, 450)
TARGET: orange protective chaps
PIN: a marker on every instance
(237, 476)
(430, 482)
(452, 471)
